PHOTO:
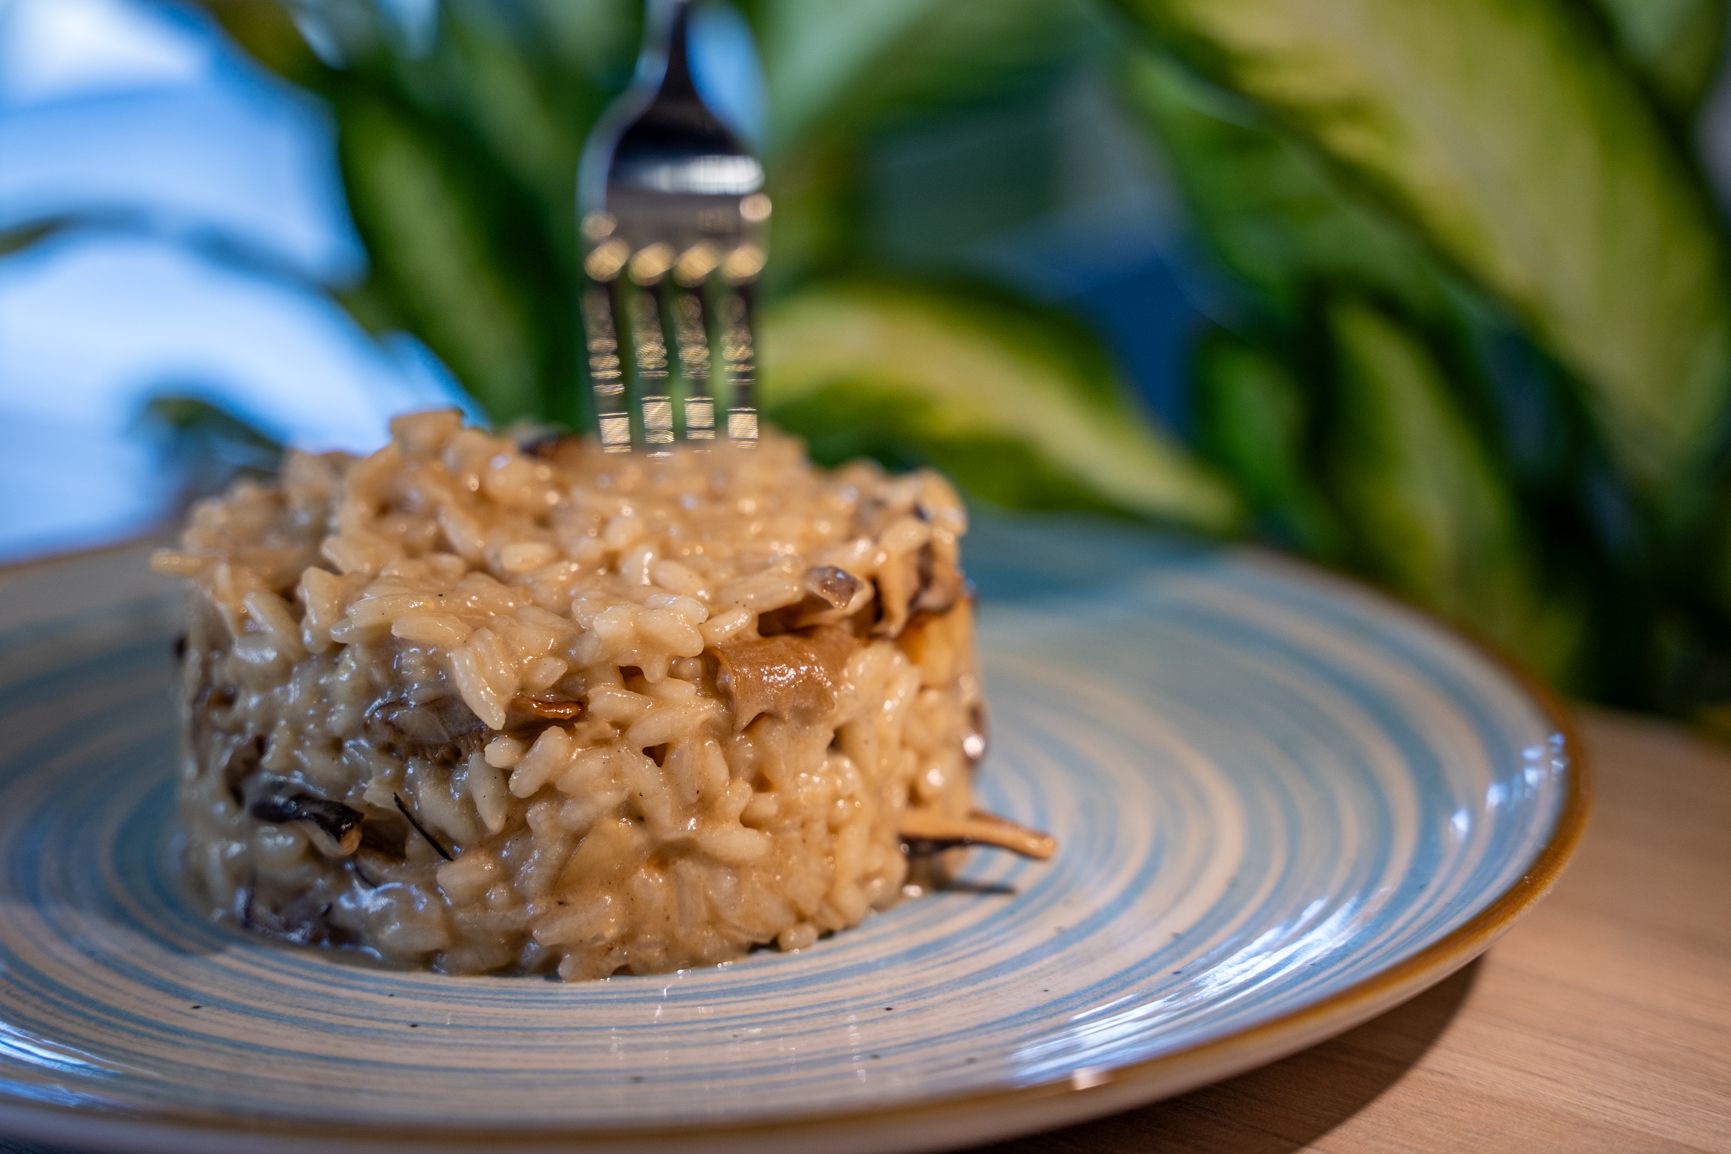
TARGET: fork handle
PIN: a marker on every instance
(666, 58)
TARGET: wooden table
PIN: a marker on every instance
(1601, 1022)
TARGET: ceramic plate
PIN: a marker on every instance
(1284, 804)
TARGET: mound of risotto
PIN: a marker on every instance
(484, 706)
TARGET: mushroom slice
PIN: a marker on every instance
(925, 831)
(791, 675)
(546, 708)
(832, 587)
(332, 826)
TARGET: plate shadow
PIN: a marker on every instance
(1281, 1107)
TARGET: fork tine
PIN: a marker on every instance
(738, 340)
(691, 331)
(600, 330)
(648, 311)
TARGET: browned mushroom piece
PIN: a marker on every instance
(941, 644)
(925, 831)
(545, 708)
(927, 581)
(444, 730)
(833, 586)
(441, 730)
(549, 445)
(832, 595)
(790, 675)
(334, 828)
(939, 583)
(896, 585)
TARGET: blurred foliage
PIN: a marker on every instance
(1020, 407)
(1475, 342)
(1543, 174)
(1485, 286)
(1674, 45)
(218, 445)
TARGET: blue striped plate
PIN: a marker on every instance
(1284, 804)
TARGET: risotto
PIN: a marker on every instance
(488, 707)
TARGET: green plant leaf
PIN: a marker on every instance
(508, 76)
(266, 31)
(1430, 511)
(1020, 407)
(1408, 466)
(459, 156)
(27, 236)
(1268, 208)
(217, 437)
(596, 40)
(535, 129)
(1677, 43)
(438, 268)
(831, 66)
(1255, 421)
(1507, 134)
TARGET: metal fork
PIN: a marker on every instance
(673, 215)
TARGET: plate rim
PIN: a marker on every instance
(970, 1116)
